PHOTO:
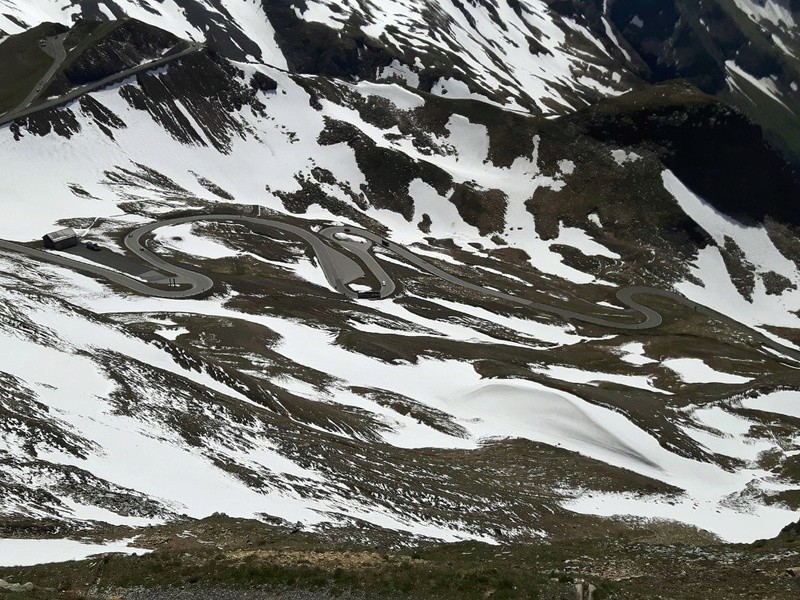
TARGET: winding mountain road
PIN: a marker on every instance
(341, 270)
(54, 47)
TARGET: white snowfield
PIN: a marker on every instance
(783, 402)
(243, 16)
(505, 409)
(485, 408)
(717, 289)
(694, 370)
(561, 77)
(775, 11)
(254, 164)
(26, 552)
(139, 452)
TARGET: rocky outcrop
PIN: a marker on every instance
(16, 587)
(98, 49)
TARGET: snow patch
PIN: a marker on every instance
(27, 552)
(621, 157)
(400, 97)
(634, 354)
(694, 370)
(783, 402)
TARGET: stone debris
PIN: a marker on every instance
(584, 591)
(16, 587)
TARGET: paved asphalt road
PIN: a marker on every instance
(625, 295)
(361, 249)
(341, 270)
(647, 317)
(53, 46)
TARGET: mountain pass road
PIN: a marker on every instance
(337, 248)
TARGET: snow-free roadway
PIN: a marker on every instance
(341, 270)
(53, 46)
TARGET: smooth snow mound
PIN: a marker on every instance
(547, 416)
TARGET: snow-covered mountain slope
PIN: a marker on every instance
(130, 428)
(745, 51)
(519, 54)
(439, 412)
(542, 56)
(238, 25)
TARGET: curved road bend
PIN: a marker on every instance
(627, 296)
(129, 282)
(362, 251)
(340, 270)
(54, 47)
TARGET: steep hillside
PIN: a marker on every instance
(493, 382)
(543, 56)
(747, 52)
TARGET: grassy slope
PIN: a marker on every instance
(23, 63)
(252, 555)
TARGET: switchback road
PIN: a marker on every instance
(334, 246)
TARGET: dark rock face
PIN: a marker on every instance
(57, 120)
(106, 120)
(716, 151)
(317, 49)
(699, 41)
(791, 531)
(670, 41)
(208, 88)
(389, 173)
(484, 209)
